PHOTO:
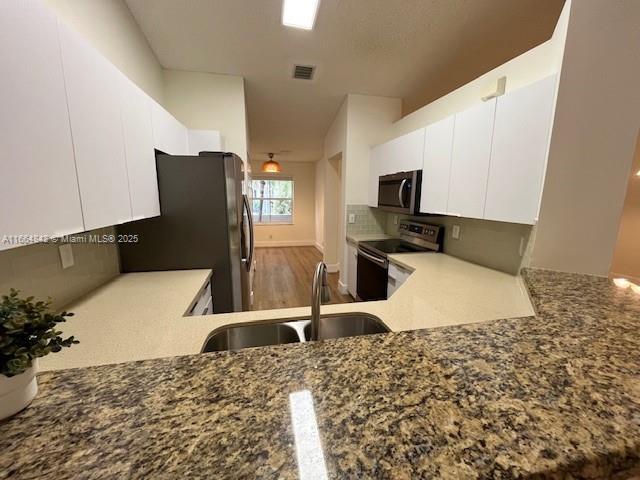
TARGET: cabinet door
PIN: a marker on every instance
(96, 124)
(470, 160)
(140, 155)
(204, 141)
(374, 173)
(39, 192)
(436, 170)
(404, 154)
(519, 152)
(169, 135)
(352, 270)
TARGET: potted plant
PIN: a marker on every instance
(27, 331)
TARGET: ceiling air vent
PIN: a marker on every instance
(303, 72)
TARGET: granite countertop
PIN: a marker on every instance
(140, 316)
(356, 238)
(553, 395)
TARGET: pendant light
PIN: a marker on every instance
(271, 166)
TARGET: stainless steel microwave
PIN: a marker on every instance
(400, 192)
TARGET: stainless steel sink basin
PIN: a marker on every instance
(245, 336)
(347, 325)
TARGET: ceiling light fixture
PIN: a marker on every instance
(271, 166)
(621, 282)
(300, 13)
(638, 173)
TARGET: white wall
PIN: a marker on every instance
(368, 118)
(302, 232)
(206, 101)
(593, 139)
(110, 28)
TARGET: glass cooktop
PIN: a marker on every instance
(393, 245)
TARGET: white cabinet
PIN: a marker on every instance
(436, 170)
(352, 269)
(94, 110)
(139, 150)
(405, 153)
(402, 154)
(519, 152)
(470, 158)
(396, 276)
(39, 193)
(169, 135)
(204, 141)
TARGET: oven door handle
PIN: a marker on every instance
(401, 191)
(379, 261)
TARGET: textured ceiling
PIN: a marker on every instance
(417, 50)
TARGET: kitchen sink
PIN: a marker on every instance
(294, 330)
(347, 325)
(245, 336)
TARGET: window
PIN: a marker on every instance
(272, 200)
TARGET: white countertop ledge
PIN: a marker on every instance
(139, 316)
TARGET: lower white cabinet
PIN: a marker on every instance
(396, 277)
(93, 91)
(519, 152)
(470, 157)
(39, 192)
(352, 270)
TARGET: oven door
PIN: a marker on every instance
(372, 276)
(400, 192)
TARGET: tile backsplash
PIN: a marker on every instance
(367, 219)
(498, 245)
(37, 270)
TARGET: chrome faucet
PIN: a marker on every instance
(320, 293)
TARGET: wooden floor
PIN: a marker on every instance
(284, 275)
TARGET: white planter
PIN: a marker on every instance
(16, 393)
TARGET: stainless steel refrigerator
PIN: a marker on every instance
(205, 222)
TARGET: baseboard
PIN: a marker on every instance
(342, 288)
(333, 267)
(286, 243)
(319, 247)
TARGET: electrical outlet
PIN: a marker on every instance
(395, 219)
(455, 232)
(352, 218)
(66, 255)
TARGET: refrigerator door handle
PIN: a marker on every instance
(249, 259)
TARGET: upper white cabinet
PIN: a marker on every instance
(169, 135)
(470, 159)
(437, 166)
(39, 192)
(404, 154)
(139, 150)
(93, 91)
(519, 152)
(204, 141)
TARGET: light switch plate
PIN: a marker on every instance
(66, 255)
(455, 232)
(352, 218)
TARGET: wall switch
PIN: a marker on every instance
(66, 255)
(455, 232)
(352, 218)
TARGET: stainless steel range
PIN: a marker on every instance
(373, 265)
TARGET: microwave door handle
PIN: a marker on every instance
(401, 191)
